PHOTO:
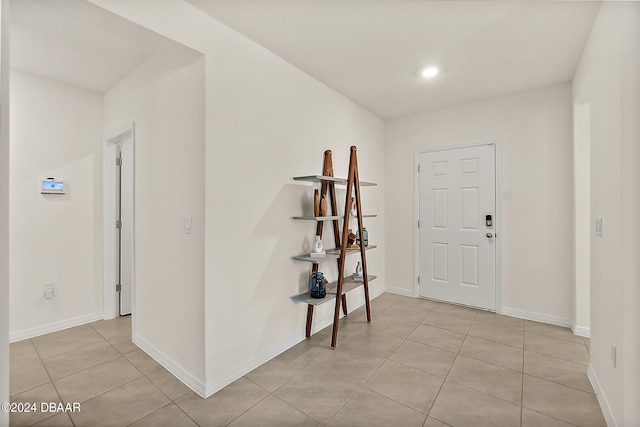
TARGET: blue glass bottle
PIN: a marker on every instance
(366, 236)
(317, 285)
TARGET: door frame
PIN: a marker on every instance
(126, 137)
(499, 232)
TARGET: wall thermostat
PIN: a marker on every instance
(51, 186)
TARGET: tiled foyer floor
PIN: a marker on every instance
(419, 363)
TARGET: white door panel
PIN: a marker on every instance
(457, 259)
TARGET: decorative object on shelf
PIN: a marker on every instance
(354, 207)
(358, 273)
(316, 203)
(318, 251)
(317, 285)
(366, 237)
(323, 206)
(351, 238)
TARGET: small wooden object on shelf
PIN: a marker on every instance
(344, 240)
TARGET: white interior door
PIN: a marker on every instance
(118, 194)
(126, 235)
(457, 249)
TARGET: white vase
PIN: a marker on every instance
(358, 272)
(317, 245)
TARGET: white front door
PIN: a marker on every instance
(457, 225)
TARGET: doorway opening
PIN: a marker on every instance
(119, 222)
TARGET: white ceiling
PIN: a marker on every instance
(74, 42)
(373, 50)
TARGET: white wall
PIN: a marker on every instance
(535, 130)
(4, 208)
(607, 79)
(266, 121)
(165, 99)
(56, 131)
(582, 214)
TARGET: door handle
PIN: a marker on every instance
(489, 235)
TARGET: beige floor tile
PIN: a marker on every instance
(22, 353)
(552, 331)
(167, 383)
(535, 419)
(432, 422)
(384, 302)
(560, 371)
(405, 312)
(438, 337)
(91, 382)
(274, 412)
(317, 394)
(493, 352)
(65, 341)
(500, 320)
(142, 361)
(224, 406)
(60, 420)
(461, 406)
(393, 325)
(78, 360)
(429, 359)
(25, 377)
(456, 310)
(272, 375)
(561, 402)
(350, 365)
(372, 343)
(557, 348)
(491, 379)
(370, 409)
(114, 330)
(44, 394)
(121, 406)
(125, 346)
(409, 386)
(417, 302)
(495, 333)
(169, 415)
(302, 355)
(448, 321)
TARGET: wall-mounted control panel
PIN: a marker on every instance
(52, 186)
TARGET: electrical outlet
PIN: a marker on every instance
(48, 290)
(614, 355)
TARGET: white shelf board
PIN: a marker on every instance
(328, 179)
(331, 254)
(347, 285)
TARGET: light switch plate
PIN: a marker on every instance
(188, 223)
(599, 227)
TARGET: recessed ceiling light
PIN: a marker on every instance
(430, 72)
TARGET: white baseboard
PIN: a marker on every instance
(356, 300)
(537, 317)
(581, 331)
(54, 327)
(250, 365)
(178, 371)
(401, 291)
(602, 399)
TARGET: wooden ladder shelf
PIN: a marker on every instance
(343, 284)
